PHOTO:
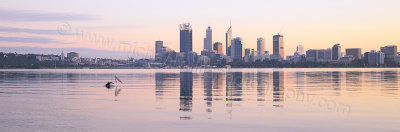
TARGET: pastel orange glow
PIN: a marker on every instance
(314, 24)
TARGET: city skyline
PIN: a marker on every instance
(315, 25)
(209, 65)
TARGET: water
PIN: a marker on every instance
(201, 100)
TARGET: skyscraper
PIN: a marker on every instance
(247, 51)
(158, 48)
(62, 56)
(300, 50)
(355, 52)
(336, 51)
(228, 37)
(208, 39)
(278, 46)
(237, 49)
(185, 37)
(260, 46)
(218, 47)
(390, 52)
(299, 54)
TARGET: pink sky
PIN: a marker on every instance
(135, 25)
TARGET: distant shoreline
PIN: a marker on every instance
(198, 68)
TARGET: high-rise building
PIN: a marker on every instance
(228, 38)
(355, 52)
(191, 58)
(185, 37)
(249, 55)
(390, 53)
(237, 49)
(208, 39)
(247, 51)
(397, 59)
(299, 55)
(158, 47)
(324, 55)
(299, 50)
(218, 47)
(319, 55)
(62, 56)
(336, 52)
(311, 55)
(260, 46)
(375, 58)
(278, 46)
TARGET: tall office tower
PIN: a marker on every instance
(336, 51)
(300, 50)
(228, 37)
(158, 47)
(260, 46)
(185, 37)
(355, 52)
(218, 47)
(208, 39)
(62, 56)
(278, 45)
(237, 49)
(247, 51)
(390, 53)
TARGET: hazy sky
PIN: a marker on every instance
(134, 25)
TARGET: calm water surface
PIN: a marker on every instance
(201, 100)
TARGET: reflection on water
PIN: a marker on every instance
(117, 91)
(279, 87)
(251, 97)
(186, 91)
(208, 89)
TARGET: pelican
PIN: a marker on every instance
(111, 84)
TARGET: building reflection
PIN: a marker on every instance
(261, 85)
(300, 77)
(163, 81)
(234, 82)
(278, 87)
(249, 84)
(73, 77)
(389, 83)
(353, 80)
(208, 89)
(228, 90)
(217, 85)
(186, 91)
(233, 89)
(160, 80)
(336, 82)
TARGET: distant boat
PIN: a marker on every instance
(111, 84)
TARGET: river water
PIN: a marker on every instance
(314, 99)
